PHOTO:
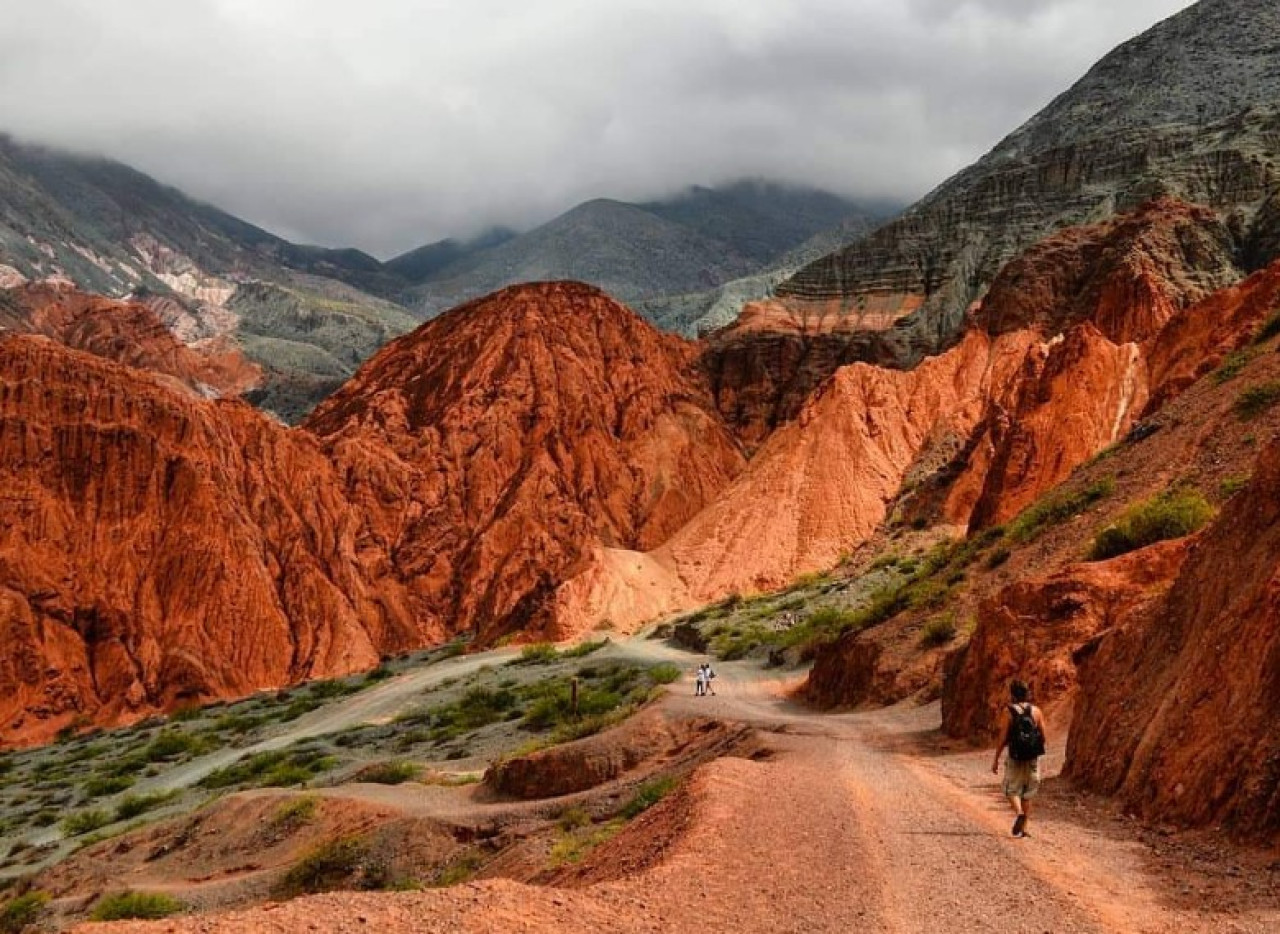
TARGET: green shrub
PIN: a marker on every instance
(298, 708)
(388, 773)
(574, 846)
(1230, 486)
(649, 794)
(134, 805)
(1057, 508)
(1269, 329)
(1171, 514)
(458, 871)
(295, 812)
(126, 906)
(1233, 365)
(938, 631)
(20, 913)
(324, 690)
(573, 818)
(329, 866)
(82, 822)
(1257, 400)
(102, 785)
(274, 769)
(583, 649)
(540, 653)
(171, 744)
(381, 673)
(665, 673)
(997, 558)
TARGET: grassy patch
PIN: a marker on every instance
(1233, 365)
(276, 769)
(331, 865)
(574, 846)
(135, 805)
(1230, 486)
(20, 913)
(1269, 329)
(583, 649)
(295, 812)
(1257, 400)
(1057, 508)
(100, 786)
(938, 631)
(459, 871)
(649, 794)
(83, 822)
(540, 653)
(665, 673)
(126, 906)
(173, 744)
(1171, 514)
(389, 773)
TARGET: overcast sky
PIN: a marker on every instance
(386, 124)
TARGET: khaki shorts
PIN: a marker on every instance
(1021, 779)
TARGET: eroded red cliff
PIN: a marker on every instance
(157, 548)
(1178, 704)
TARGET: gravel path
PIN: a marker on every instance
(859, 822)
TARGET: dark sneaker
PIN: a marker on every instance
(1020, 825)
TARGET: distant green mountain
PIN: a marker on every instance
(692, 243)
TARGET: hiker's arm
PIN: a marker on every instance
(1044, 729)
(1004, 739)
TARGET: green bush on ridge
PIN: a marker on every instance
(1172, 514)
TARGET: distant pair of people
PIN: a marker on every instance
(702, 681)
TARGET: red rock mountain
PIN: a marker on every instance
(504, 444)
(126, 332)
(157, 548)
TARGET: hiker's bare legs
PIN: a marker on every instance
(1018, 806)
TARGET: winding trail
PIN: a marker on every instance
(860, 822)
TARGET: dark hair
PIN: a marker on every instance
(1020, 691)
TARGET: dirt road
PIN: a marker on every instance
(858, 822)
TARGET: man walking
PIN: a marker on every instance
(700, 681)
(1022, 731)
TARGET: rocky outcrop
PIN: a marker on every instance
(1034, 629)
(1185, 110)
(523, 431)
(129, 333)
(764, 367)
(1177, 708)
(158, 549)
(821, 484)
(1100, 297)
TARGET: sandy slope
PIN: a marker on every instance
(858, 822)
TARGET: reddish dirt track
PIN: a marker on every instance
(857, 822)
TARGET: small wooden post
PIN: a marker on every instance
(573, 696)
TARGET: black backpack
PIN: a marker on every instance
(1026, 739)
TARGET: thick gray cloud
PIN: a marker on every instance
(388, 123)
